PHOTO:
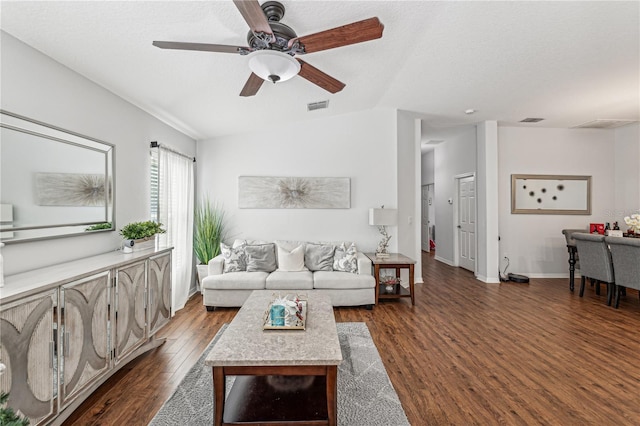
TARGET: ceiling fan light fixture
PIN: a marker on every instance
(273, 66)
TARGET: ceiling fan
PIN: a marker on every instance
(274, 47)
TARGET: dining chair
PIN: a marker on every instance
(574, 259)
(595, 261)
(625, 253)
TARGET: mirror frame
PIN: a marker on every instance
(16, 122)
(554, 181)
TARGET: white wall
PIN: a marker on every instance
(455, 156)
(409, 189)
(427, 168)
(627, 173)
(35, 86)
(361, 146)
(487, 259)
(534, 243)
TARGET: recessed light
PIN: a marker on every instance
(531, 120)
(470, 111)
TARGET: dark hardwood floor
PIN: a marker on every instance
(466, 353)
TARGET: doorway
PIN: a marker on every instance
(465, 241)
(428, 240)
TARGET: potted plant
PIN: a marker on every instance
(8, 416)
(136, 233)
(209, 232)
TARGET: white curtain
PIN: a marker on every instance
(176, 193)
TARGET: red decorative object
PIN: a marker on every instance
(596, 228)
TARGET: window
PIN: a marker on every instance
(154, 201)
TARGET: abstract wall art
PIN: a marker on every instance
(550, 194)
(257, 192)
(70, 189)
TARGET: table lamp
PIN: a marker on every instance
(381, 218)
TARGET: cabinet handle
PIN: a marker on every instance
(66, 344)
(51, 355)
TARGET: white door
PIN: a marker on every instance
(425, 219)
(467, 223)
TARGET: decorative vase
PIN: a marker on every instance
(277, 315)
(203, 271)
(145, 243)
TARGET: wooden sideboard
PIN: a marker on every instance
(65, 329)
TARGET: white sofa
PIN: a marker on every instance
(231, 289)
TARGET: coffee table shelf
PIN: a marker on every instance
(253, 399)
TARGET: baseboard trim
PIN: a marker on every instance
(488, 280)
(552, 275)
(443, 260)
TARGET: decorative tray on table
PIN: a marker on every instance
(286, 313)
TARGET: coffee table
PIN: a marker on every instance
(283, 376)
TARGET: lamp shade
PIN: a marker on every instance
(271, 65)
(383, 217)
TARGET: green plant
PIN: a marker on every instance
(209, 231)
(8, 417)
(138, 230)
(99, 226)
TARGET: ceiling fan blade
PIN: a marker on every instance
(252, 85)
(205, 47)
(319, 78)
(356, 32)
(254, 15)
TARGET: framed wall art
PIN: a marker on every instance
(258, 192)
(550, 194)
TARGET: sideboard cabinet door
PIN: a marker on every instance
(159, 292)
(84, 340)
(131, 307)
(27, 351)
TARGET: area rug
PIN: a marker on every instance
(366, 396)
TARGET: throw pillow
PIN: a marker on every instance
(319, 257)
(291, 261)
(234, 258)
(261, 258)
(346, 259)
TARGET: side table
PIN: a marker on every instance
(395, 261)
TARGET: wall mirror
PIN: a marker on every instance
(550, 194)
(53, 182)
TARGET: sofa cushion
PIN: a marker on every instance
(234, 258)
(342, 280)
(291, 260)
(345, 259)
(289, 244)
(260, 257)
(236, 281)
(319, 257)
(280, 280)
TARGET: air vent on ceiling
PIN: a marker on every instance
(317, 105)
(531, 120)
(610, 123)
(433, 142)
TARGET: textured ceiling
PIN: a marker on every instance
(568, 62)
